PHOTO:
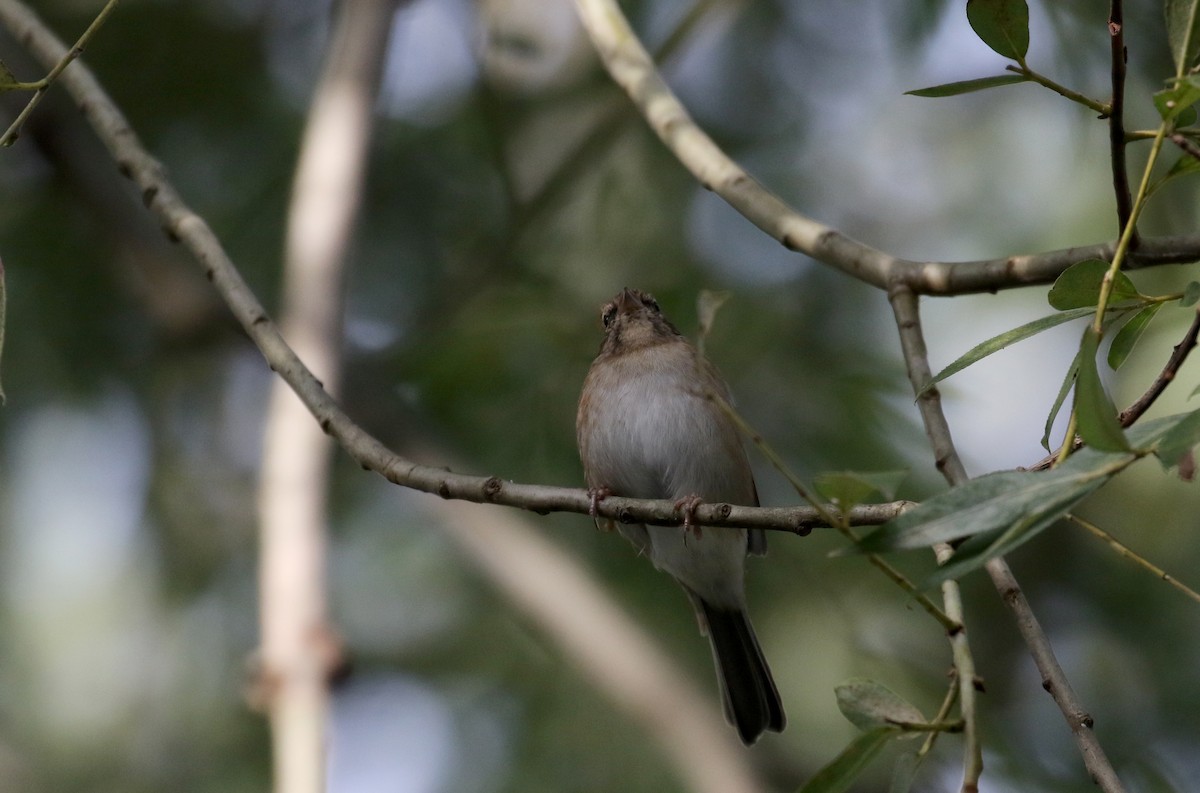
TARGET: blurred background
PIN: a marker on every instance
(511, 193)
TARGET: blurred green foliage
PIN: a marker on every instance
(128, 608)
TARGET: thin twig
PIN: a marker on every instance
(1116, 120)
(41, 86)
(1054, 680)
(833, 518)
(1133, 556)
(942, 714)
(1179, 354)
(1166, 376)
(1186, 144)
(1102, 109)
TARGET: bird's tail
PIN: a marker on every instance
(751, 700)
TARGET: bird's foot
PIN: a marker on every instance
(595, 496)
(687, 505)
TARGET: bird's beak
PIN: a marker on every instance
(627, 302)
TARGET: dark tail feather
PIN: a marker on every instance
(751, 699)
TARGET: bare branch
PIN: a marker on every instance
(929, 401)
(43, 85)
(1054, 680)
(633, 69)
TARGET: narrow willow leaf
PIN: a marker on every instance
(7, 81)
(979, 549)
(1186, 164)
(850, 488)
(904, 772)
(868, 704)
(991, 502)
(968, 86)
(1171, 102)
(1179, 441)
(1097, 416)
(1079, 285)
(840, 774)
(1127, 337)
(1063, 390)
(1002, 24)
(997, 343)
(1000, 511)
(999, 543)
(1191, 293)
(1183, 32)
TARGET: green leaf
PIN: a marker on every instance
(1183, 32)
(868, 705)
(1170, 102)
(1179, 441)
(846, 767)
(1079, 286)
(1097, 416)
(1127, 337)
(850, 488)
(1184, 165)
(991, 502)
(1191, 293)
(968, 86)
(998, 512)
(7, 81)
(904, 772)
(978, 550)
(981, 549)
(1068, 381)
(997, 343)
(1002, 24)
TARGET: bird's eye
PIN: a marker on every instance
(607, 315)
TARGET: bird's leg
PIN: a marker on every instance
(687, 505)
(596, 495)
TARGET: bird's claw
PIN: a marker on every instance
(687, 506)
(595, 496)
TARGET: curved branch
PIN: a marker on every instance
(183, 225)
(634, 70)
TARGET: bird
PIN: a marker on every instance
(649, 426)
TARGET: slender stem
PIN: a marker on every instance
(835, 519)
(1100, 107)
(1128, 233)
(1165, 377)
(1133, 556)
(1186, 144)
(41, 86)
(942, 714)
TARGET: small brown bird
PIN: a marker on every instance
(647, 428)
